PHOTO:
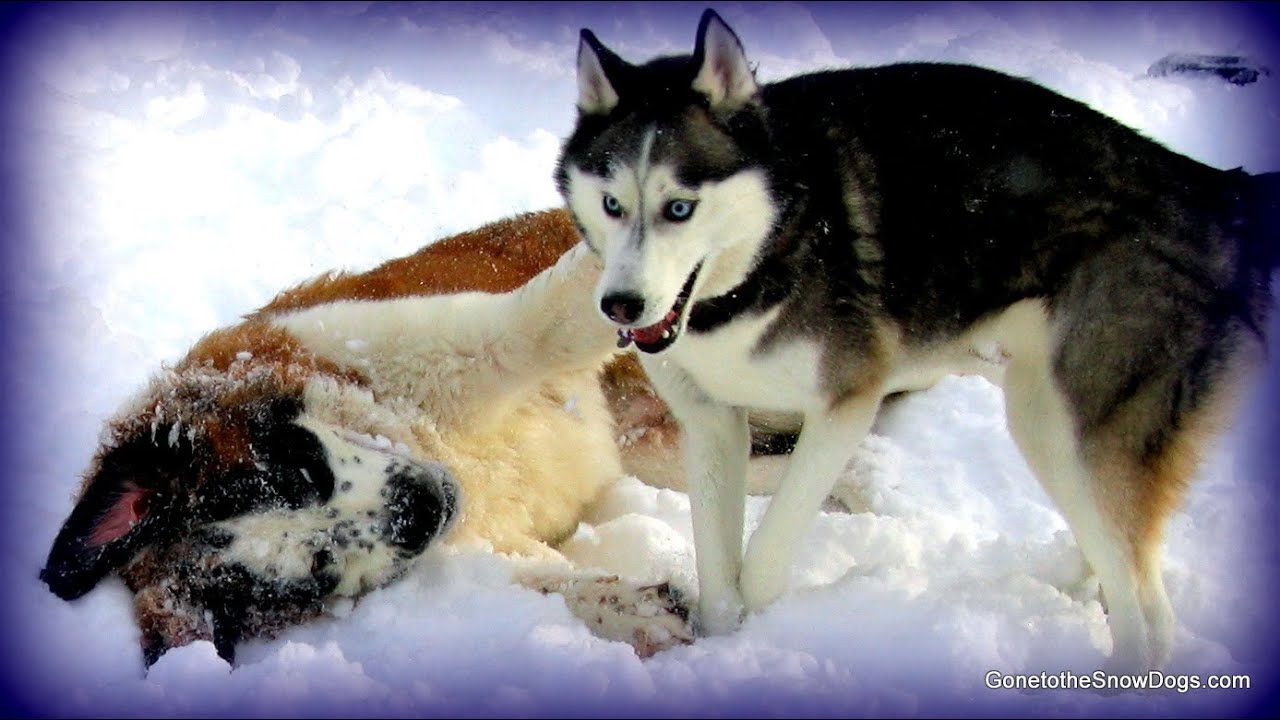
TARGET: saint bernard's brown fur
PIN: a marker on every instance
(315, 449)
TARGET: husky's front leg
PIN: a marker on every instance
(717, 445)
(825, 446)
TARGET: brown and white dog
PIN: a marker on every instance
(466, 393)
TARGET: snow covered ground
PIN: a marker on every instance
(176, 165)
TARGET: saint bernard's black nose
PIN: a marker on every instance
(422, 499)
(623, 308)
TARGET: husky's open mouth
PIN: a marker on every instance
(659, 336)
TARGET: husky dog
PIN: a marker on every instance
(311, 452)
(813, 245)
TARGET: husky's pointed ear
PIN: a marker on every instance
(597, 72)
(121, 511)
(724, 75)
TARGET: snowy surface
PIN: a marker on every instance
(182, 163)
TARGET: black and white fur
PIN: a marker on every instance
(814, 245)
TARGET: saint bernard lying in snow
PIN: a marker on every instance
(314, 450)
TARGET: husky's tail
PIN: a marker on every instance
(1264, 214)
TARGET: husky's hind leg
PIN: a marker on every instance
(1112, 399)
(1143, 461)
(1042, 424)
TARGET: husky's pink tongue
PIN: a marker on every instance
(654, 332)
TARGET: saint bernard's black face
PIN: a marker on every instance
(245, 517)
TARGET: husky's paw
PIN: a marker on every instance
(763, 579)
(1131, 660)
(719, 618)
(650, 618)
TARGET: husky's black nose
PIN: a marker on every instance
(421, 501)
(622, 308)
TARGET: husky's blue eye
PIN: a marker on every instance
(612, 207)
(679, 210)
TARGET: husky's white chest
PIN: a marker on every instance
(725, 364)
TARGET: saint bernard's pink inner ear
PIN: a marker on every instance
(120, 519)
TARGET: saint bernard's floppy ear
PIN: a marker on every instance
(599, 73)
(164, 480)
(723, 75)
(125, 507)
